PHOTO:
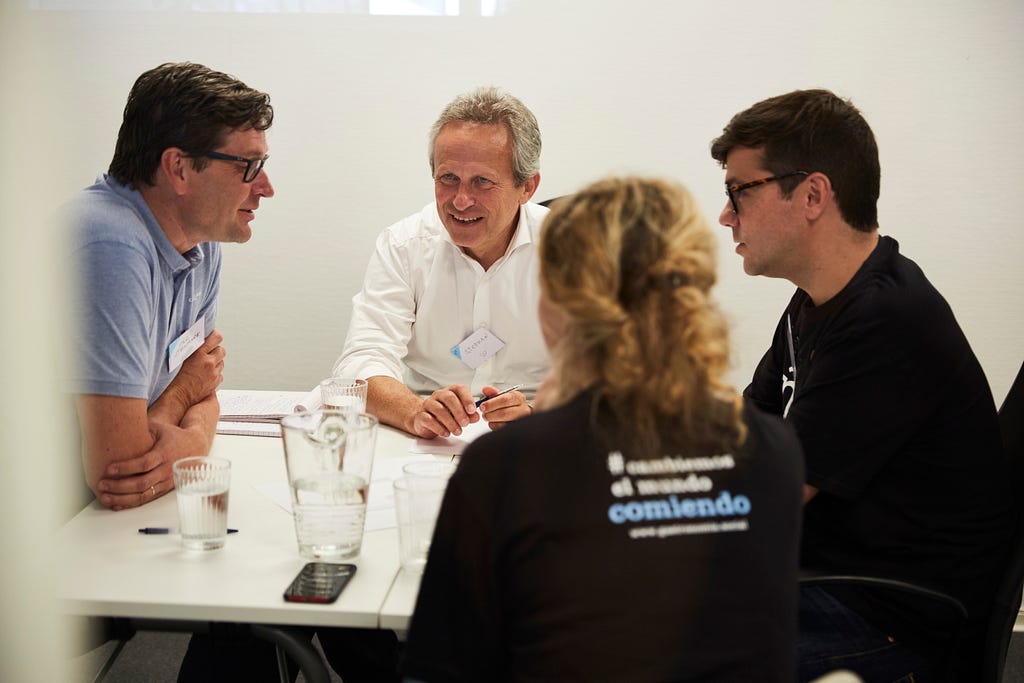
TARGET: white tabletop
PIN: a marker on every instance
(116, 571)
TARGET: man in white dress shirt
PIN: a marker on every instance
(448, 308)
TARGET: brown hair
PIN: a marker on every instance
(183, 105)
(812, 130)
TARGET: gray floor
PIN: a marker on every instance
(154, 657)
(151, 657)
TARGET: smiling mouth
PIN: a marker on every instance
(465, 220)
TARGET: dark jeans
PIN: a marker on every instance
(231, 654)
(833, 637)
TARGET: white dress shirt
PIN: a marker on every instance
(422, 296)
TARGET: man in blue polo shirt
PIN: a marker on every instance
(186, 175)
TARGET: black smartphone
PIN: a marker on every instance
(319, 582)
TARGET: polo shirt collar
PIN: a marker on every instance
(168, 254)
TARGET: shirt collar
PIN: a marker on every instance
(175, 261)
(523, 235)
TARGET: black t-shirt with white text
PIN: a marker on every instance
(557, 557)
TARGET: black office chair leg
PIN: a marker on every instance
(284, 675)
(297, 646)
(102, 674)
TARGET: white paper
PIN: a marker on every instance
(452, 445)
(237, 406)
(380, 508)
(249, 428)
(311, 401)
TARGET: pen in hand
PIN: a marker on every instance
(504, 391)
(158, 530)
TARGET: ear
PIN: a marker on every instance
(175, 167)
(529, 187)
(818, 196)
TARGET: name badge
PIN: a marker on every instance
(478, 347)
(182, 347)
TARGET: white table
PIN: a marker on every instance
(117, 572)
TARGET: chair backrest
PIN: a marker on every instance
(548, 202)
(1008, 597)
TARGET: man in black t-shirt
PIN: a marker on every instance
(905, 473)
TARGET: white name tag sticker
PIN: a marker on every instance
(478, 347)
(182, 347)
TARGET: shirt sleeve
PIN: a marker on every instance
(383, 313)
(114, 310)
(766, 390)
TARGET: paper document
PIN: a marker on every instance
(249, 428)
(452, 445)
(380, 508)
(256, 406)
(258, 413)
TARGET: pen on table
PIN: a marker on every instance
(154, 530)
(504, 391)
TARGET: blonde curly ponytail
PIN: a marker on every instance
(630, 263)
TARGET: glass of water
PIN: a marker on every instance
(344, 393)
(329, 458)
(202, 485)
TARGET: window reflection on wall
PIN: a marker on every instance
(426, 8)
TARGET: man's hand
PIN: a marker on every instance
(445, 412)
(505, 408)
(198, 377)
(134, 481)
(130, 483)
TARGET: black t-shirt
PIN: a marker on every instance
(556, 557)
(900, 435)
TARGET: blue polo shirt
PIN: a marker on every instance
(136, 294)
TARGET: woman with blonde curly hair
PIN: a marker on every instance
(644, 525)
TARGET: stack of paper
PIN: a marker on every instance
(258, 413)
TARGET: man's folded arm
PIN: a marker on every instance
(199, 376)
(128, 454)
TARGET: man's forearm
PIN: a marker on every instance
(171, 406)
(392, 402)
(201, 420)
(197, 379)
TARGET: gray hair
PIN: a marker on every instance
(488, 105)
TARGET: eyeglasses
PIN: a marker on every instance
(733, 191)
(252, 166)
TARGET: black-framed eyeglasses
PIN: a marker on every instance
(252, 166)
(732, 191)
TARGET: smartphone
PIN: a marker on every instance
(320, 582)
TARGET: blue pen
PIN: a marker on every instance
(488, 398)
(160, 530)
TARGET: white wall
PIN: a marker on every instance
(639, 86)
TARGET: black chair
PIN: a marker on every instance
(548, 202)
(1007, 601)
(1008, 595)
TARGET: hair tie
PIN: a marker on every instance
(675, 280)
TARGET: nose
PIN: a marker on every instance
(728, 216)
(261, 185)
(463, 199)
